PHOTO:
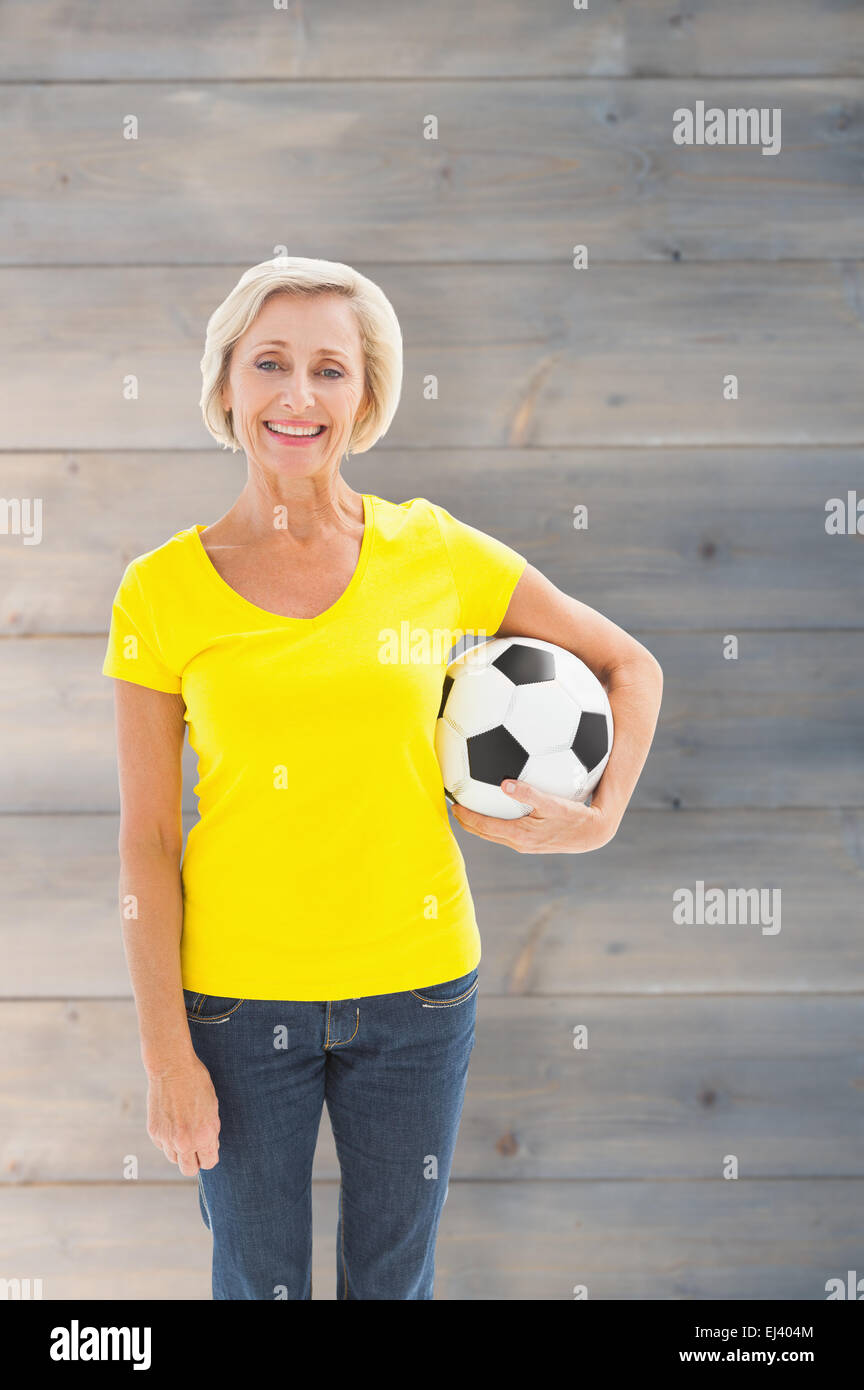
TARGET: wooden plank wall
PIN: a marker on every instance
(557, 387)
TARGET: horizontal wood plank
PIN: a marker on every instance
(554, 163)
(748, 1240)
(533, 356)
(717, 1240)
(677, 539)
(782, 725)
(591, 924)
(75, 40)
(664, 1088)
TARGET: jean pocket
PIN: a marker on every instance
(210, 1008)
(448, 994)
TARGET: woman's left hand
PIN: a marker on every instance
(555, 825)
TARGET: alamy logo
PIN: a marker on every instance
(737, 126)
(850, 1287)
(420, 645)
(76, 1343)
(22, 516)
(20, 1288)
(720, 907)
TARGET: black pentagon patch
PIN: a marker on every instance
(526, 665)
(448, 683)
(591, 743)
(495, 755)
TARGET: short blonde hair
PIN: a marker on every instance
(380, 336)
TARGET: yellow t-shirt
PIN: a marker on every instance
(322, 865)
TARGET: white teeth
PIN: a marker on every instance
(294, 429)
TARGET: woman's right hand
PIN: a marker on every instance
(183, 1116)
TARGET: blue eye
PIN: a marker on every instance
(271, 362)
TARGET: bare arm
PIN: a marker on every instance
(632, 677)
(634, 683)
(182, 1110)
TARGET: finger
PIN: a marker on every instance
(494, 839)
(540, 805)
(208, 1158)
(169, 1152)
(501, 828)
(187, 1161)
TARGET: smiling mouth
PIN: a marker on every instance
(295, 431)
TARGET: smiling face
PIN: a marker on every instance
(296, 382)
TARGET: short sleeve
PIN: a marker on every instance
(133, 652)
(485, 572)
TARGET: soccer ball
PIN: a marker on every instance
(518, 707)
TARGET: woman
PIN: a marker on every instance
(319, 943)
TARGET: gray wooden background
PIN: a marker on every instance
(303, 127)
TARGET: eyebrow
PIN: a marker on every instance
(277, 342)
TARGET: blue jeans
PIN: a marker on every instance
(392, 1070)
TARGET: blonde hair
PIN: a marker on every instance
(380, 336)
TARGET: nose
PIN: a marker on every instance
(297, 393)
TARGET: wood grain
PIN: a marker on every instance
(747, 1240)
(781, 726)
(524, 355)
(676, 538)
(519, 171)
(217, 39)
(588, 925)
(665, 1088)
